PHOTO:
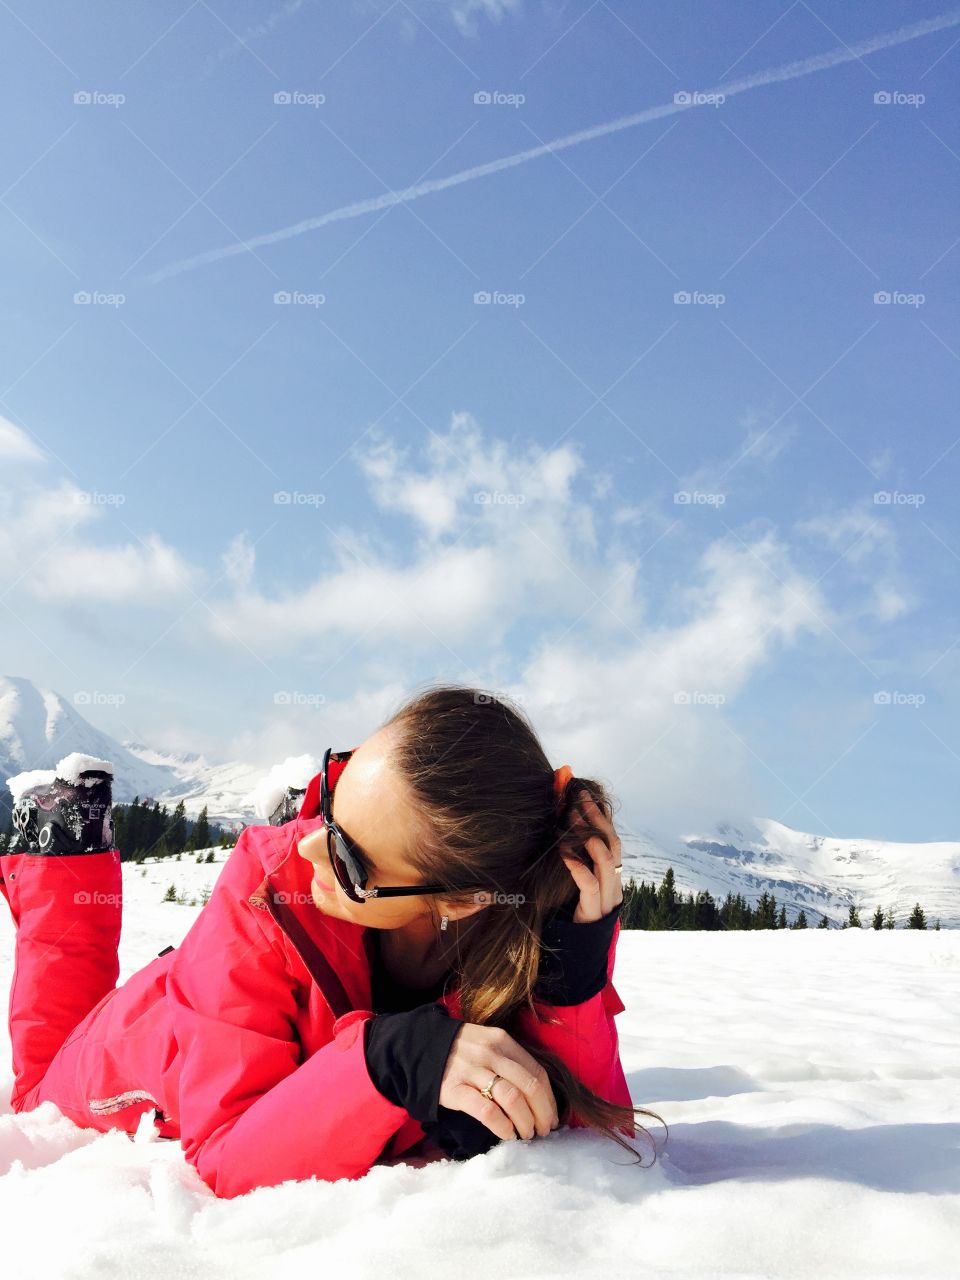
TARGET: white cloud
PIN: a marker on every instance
(865, 539)
(16, 445)
(46, 551)
(239, 561)
(465, 13)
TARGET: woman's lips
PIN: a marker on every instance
(327, 888)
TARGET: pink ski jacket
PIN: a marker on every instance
(246, 1041)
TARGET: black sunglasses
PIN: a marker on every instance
(345, 859)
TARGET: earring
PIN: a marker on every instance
(444, 921)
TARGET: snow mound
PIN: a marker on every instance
(295, 771)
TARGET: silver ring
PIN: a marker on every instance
(488, 1091)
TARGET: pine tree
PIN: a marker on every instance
(782, 919)
(854, 919)
(937, 925)
(824, 923)
(171, 894)
(888, 921)
(176, 833)
(801, 921)
(667, 911)
(200, 835)
(877, 921)
(917, 919)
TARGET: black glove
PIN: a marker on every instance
(577, 970)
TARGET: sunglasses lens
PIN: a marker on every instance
(345, 868)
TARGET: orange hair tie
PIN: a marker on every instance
(561, 777)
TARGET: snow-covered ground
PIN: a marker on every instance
(811, 1082)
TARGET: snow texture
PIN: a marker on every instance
(810, 1081)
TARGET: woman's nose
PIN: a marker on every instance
(313, 846)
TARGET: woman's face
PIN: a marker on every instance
(370, 807)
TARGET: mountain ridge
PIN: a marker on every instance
(823, 875)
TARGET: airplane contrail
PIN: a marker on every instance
(788, 71)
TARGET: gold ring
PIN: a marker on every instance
(488, 1091)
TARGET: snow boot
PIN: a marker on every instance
(288, 807)
(64, 811)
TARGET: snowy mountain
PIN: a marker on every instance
(818, 873)
(39, 726)
(821, 874)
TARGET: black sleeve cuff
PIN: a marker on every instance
(406, 1055)
(460, 1135)
(577, 969)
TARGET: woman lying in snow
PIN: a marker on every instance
(419, 962)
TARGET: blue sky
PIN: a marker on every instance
(251, 527)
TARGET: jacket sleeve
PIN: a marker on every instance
(253, 1113)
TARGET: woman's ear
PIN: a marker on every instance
(461, 910)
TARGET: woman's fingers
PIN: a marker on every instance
(601, 889)
(522, 1101)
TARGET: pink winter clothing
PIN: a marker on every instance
(240, 1041)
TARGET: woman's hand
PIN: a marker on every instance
(601, 889)
(522, 1105)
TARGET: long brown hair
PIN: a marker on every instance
(475, 769)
